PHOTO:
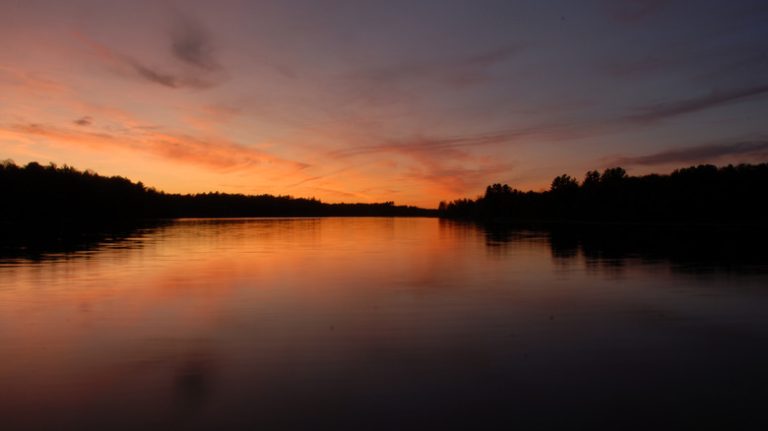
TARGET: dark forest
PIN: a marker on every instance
(34, 193)
(700, 194)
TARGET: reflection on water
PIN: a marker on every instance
(384, 324)
(41, 242)
(685, 249)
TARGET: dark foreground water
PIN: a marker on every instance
(383, 324)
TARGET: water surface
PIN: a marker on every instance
(380, 323)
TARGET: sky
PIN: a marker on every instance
(371, 101)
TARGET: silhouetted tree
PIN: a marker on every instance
(591, 179)
(701, 194)
(613, 176)
(497, 190)
(564, 184)
(37, 194)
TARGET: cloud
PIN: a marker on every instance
(458, 72)
(156, 76)
(342, 194)
(666, 110)
(191, 44)
(321, 177)
(21, 79)
(84, 121)
(474, 68)
(421, 144)
(213, 152)
(491, 57)
(545, 132)
(459, 179)
(127, 65)
(63, 134)
(442, 164)
(700, 153)
(167, 79)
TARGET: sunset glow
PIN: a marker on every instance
(412, 102)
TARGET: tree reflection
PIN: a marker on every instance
(688, 249)
(53, 241)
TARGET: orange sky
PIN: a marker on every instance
(372, 102)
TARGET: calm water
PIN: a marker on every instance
(380, 324)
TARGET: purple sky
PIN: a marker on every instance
(412, 101)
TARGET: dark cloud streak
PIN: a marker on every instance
(84, 121)
(424, 144)
(666, 110)
(700, 153)
(167, 79)
(191, 44)
(155, 76)
(456, 72)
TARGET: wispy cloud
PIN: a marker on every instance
(168, 79)
(65, 134)
(155, 76)
(458, 72)
(421, 144)
(661, 111)
(191, 43)
(543, 132)
(31, 82)
(339, 193)
(190, 46)
(459, 178)
(215, 153)
(441, 164)
(84, 121)
(700, 153)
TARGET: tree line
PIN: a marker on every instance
(35, 193)
(703, 194)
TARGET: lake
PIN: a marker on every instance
(383, 323)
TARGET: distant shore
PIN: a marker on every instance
(50, 198)
(703, 195)
(34, 194)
